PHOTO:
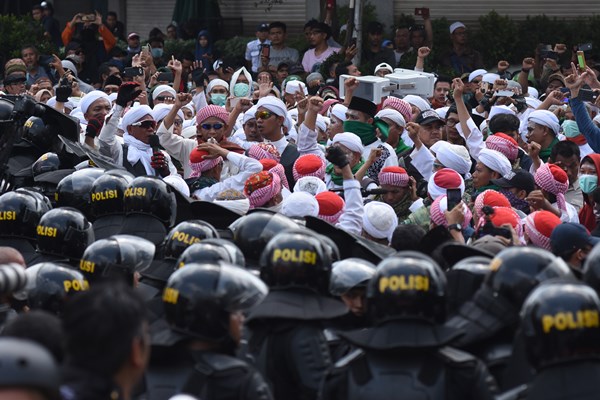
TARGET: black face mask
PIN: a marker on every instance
(314, 90)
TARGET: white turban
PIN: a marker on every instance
(533, 102)
(91, 97)
(532, 92)
(339, 111)
(178, 183)
(349, 140)
(273, 104)
(310, 184)
(189, 132)
(545, 118)
(134, 115)
(496, 161)
(300, 204)
(453, 156)
(456, 25)
(216, 82)
(476, 73)
(160, 111)
(379, 220)
(293, 86)
(112, 97)
(250, 114)
(321, 122)
(490, 78)
(235, 76)
(443, 180)
(418, 102)
(392, 115)
(161, 89)
(190, 106)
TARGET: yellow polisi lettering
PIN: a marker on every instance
(185, 238)
(87, 266)
(571, 320)
(170, 296)
(135, 192)
(75, 285)
(8, 215)
(106, 195)
(46, 231)
(28, 124)
(404, 282)
(293, 255)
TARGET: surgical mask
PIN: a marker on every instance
(157, 52)
(241, 89)
(218, 99)
(588, 183)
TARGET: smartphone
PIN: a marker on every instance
(585, 47)
(588, 95)
(418, 11)
(265, 50)
(165, 77)
(581, 61)
(549, 54)
(233, 101)
(130, 72)
(88, 18)
(454, 197)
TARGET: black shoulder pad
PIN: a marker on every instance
(221, 362)
(457, 357)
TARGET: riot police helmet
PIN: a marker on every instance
(64, 232)
(149, 195)
(74, 190)
(20, 213)
(185, 234)
(106, 194)
(350, 273)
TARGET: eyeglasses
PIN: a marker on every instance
(145, 124)
(263, 114)
(165, 98)
(216, 126)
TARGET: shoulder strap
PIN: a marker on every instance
(137, 169)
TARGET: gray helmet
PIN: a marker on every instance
(349, 274)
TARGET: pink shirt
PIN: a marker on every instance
(310, 59)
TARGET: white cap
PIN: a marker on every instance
(383, 66)
(490, 78)
(476, 73)
(456, 25)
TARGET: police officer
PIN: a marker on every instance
(404, 355)
(204, 305)
(562, 334)
(286, 339)
(490, 320)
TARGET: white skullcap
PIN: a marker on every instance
(160, 111)
(339, 111)
(418, 102)
(300, 204)
(273, 104)
(490, 78)
(321, 123)
(453, 156)
(456, 25)
(178, 183)
(442, 111)
(379, 220)
(235, 76)
(161, 89)
(216, 82)
(500, 110)
(545, 118)
(350, 141)
(113, 96)
(496, 161)
(250, 114)
(310, 184)
(383, 66)
(533, 102)
(189, 132)
(476, 73)
(293, 86)
(134, 115)
(443, 180)
(91, 97)
(392, 115)
(190, 106)
(532, 92)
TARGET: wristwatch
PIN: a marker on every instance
(455, 227)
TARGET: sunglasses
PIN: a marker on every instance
(263, 114)
(145, 124)
(216, 126)
(165, 98)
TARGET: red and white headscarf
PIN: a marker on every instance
(331, 206)
(263, 150)
(539, 226)
(504, 144)
(212, 111)
(402, 106)
(501, 216)
(442, 180)
(309, 165)
(261, 187)
(553, 179)
(199, 164)
(440, 205)
(394, 176)
(490, 198)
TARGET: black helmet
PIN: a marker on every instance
(252, 232)
(26, 364)
(117, 257)
(516, 271)
(44, 200)
(464, 279)
(560, 323)
(150, 195)
(185, 234)
(204, 253)
(591, 269)
(6, 108)
(74, 189)
(37, 134)
(20, 213)
(407, 287)
(295, 260)
(349, 274)
(330, 248)
(46, 163)
(199, 298)
(106, 194)
(64, 232)
(235, 254)
(50, 284)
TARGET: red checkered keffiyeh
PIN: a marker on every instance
(439, 206)
(198, 164)
(259, 151)
(553, 179)
(490, 198)
(402, 106)
(212, 111)
(504, 144)
(539, 226)
(331, 206)
(394, 176)
(309, 165)
(274, 167)
(262, 187)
